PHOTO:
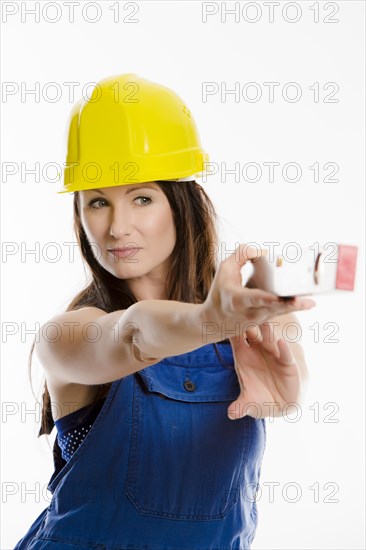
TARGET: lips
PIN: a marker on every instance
(124, 248)
(124, 252)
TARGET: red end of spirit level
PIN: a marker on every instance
(347, 257)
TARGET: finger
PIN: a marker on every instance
(286, 356)
(243, 300)
(286, 307)
(300, 302)
(257, 297)
(269, 340)
(254, 334)
(261, 314)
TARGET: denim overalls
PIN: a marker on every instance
(162, 468)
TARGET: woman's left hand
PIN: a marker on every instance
(269, 377)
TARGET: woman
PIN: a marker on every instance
(170, 364)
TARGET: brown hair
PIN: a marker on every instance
(192, 270)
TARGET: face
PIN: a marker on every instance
(131, 216)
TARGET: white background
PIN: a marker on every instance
(170, 44)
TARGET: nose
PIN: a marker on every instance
(120, 223)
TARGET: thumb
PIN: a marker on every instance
(239, 409)
(243, 253)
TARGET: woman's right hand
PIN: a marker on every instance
(232, 306)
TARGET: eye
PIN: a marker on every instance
(144, 197)
(92, 202)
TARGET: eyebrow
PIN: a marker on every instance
(129, 190)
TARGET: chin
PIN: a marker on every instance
(124, 272)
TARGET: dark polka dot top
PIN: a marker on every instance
(73, 428)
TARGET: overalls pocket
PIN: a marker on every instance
(186, 457)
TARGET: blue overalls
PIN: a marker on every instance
(162, 468)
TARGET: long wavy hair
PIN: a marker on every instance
(193, 267)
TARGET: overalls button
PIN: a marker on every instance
(189, 385)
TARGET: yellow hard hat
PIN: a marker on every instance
(131, 130)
